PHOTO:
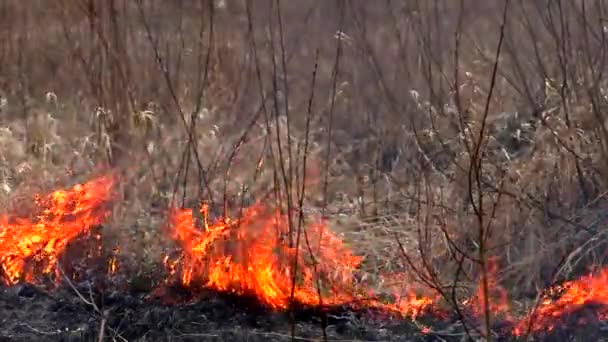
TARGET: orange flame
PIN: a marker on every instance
(113, 262)
(250, 255)
(557, 303)
(572, 296)
(65, 214)
(497, 296)
(247, 255)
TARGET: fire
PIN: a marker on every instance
(558, 302)
(250, 255)
(573, 295)
(113, 262)
(247, 255)
(497, 296)
(29, 248)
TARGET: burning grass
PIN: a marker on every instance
(217, 103)
(566, 299)
(31, 248)
(249, 256)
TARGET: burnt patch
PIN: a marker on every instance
(29, 313)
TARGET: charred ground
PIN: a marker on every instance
(29, 313)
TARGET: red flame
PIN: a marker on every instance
(572, 296)
(498, 300)
(250, 255)
(29, 248)
(247, 256)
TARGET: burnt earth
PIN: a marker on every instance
(28, 313)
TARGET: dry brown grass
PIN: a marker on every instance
(124, 89)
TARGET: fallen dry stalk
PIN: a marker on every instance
(102, 314)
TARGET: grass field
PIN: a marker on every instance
(434, 136)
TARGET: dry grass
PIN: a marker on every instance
(124, 90)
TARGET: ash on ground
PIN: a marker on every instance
(31, 314)
(28, 313)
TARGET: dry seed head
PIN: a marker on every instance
(343, 37)
(105, 143)
(5, 132)
(203, 113)
(144, 120)
(102, 116)
(51, 98)
(150, 147)
(24, 167)
(6, 187)
(42, 133)
(415, 95)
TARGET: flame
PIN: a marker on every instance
(113, 261)
(557, 303)
(591, 289)
(498, 300)
(64, 214)
(250, 255)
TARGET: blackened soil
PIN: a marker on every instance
(30, 314)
